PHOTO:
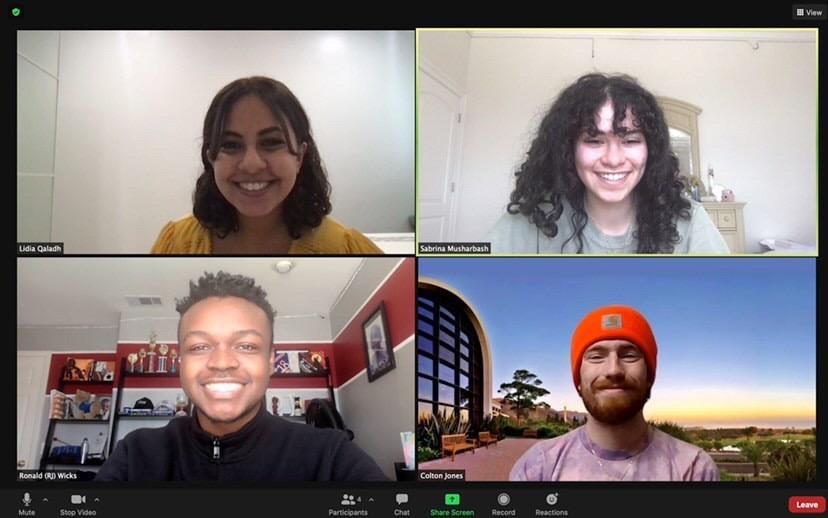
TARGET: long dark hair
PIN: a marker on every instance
(548, 176)
(309, 201)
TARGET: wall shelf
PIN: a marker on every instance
(45, 458)
(150, 374)
(81, 421)
(128, 416)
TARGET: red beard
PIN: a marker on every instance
(614, 408)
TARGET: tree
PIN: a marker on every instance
(753, 453)
(717, 445)
(522, 392)
(673, 429)
(704, 444)
(750, 431)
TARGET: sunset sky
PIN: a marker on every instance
(736, 337)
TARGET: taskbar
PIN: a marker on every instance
(756, 500)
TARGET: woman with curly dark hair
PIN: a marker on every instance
(263, 189)
(600, 177)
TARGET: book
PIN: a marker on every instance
(57, 404)
(281, 363)
(311, 362)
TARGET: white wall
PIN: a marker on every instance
(757, 128)
(130, 106)
(377, 412)
(136, 326)
(447, 52)
(37, 86)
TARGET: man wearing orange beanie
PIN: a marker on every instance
(613, 357)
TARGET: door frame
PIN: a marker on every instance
(426, 67)
(32, 456)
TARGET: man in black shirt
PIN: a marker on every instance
(226, 338)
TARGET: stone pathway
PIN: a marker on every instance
(493, 463)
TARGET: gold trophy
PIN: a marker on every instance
(174, 360)
(142, 353)
(131, 359)
(162, 358)
(151, 361)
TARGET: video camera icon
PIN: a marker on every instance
(78, 499)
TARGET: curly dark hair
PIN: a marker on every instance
(309, 201)
(223, 284)
(548, 175)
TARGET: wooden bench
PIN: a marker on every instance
(530, 433)
(485, 438)
(456, 443)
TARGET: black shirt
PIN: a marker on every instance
(266, 448)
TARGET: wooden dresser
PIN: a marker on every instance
(728, 218)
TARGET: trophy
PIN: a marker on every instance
(151, 361)
(141, 355)
(131, 359)
(174, 360)
(162, 359)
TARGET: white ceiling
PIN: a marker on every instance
(767, 35)
(90, 291)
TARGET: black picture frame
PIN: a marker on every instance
(376, 341)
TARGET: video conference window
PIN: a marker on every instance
(207, 369)
(619, 370)
(226, 142)
(621, 141)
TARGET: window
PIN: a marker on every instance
(425, 389)
(425, 344)
(425, 365)
(449, 359)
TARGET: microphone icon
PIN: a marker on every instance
(27, 499)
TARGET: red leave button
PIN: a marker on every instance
(806, 504)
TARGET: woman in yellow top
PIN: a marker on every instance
(263, 189)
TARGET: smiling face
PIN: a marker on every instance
(610, 165)
(255, 169)
(226, 361)
(614, 383)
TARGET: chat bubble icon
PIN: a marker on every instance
(402, 498)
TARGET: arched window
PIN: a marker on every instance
(449, 358)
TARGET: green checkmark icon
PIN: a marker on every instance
(15, 11)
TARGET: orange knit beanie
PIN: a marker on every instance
(615, 322)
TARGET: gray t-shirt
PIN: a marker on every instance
(515, 234)
(574, 456)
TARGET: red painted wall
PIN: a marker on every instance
(346, 356)
(398, 295)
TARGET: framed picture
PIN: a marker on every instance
(104, 371)
(379, 355)
(102, 408)
(78, 369)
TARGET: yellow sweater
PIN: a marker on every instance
(187, 236)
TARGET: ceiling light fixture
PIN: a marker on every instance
(283, 266)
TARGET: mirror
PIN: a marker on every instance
(682, 119)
